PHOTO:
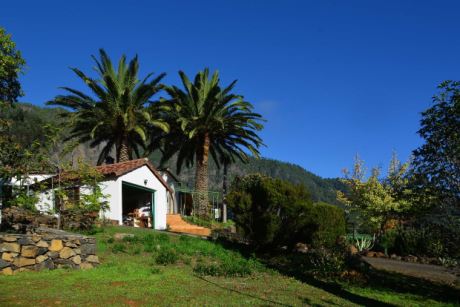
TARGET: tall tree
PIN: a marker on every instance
(377, 200)
(11, 65)
(437, 161)
(119, 113)
(208, 120)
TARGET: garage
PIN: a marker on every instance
(138, 205)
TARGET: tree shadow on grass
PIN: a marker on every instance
(376, 280)
(291, 270)
(242, 293)
(333, 288)
(396, 282)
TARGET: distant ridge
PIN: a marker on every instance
(29, 119)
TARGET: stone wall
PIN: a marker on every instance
(46, 248)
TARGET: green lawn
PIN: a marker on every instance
(130, 276)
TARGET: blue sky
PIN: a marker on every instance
(333, 78)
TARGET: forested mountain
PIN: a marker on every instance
(28, 121)
(321, 189)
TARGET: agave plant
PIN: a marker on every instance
(362, 242)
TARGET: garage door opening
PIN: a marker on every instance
(138, 206)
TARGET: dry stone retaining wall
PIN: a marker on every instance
(46, 249)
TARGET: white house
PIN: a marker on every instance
(130, 185)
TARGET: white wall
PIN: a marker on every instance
(112, 189)
(30, 179)
(45, 201)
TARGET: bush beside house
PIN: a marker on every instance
(274, 213)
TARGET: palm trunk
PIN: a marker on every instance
(224, 192)
(201, 178)
(123, 150)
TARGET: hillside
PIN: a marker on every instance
(321, 189)
(28, 121)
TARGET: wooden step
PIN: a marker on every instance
(177, 224)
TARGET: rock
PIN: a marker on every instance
(9, 239)
(10, 247)
(64, 263)
(69, 244)
(411, 258)
(370, 254)
(29, 251)
(352, 250)
(56, 245)
(86, 266)
(41, 258)
(36, 238)
(4, 264)
(92, 258)
(47, 264)
(380, 255)
(53, 254)
(21, 262)
(77, 251)
(301, 248)
(88, 249)
(66, 253)
(25, 241)
(76, 259)
(9, 256)
(120, 236)
(76, 242)
(42, 243)
(7, 271)
(42, 251)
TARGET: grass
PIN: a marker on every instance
(159, 269)
(212, 224)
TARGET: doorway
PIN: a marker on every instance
(138, 205)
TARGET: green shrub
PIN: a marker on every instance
(155, 271)
(271, 212)
(233, 267)
(119, 248)
(166, 256)
(325, 262)
(387, 241)
(210, 269)
(228, 267)
(136, 251)
(429, 239)
(93, 231)
(198, 221)
(319, 262)
(130, 239)
(331, 224)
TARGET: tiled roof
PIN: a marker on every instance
(119, 169)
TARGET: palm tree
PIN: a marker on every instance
(209, 120)
(120, 111)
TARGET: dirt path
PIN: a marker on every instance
(434, 273)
